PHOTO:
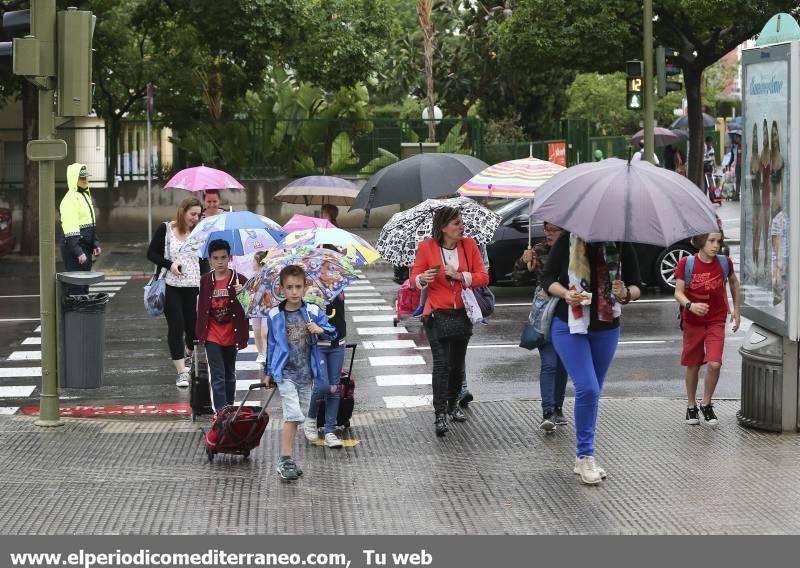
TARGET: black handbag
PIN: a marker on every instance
(445, 324)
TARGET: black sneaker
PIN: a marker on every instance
(692, 416)
(558, 418)
(441, 424)
(457, 415)
(708, 413)
(547, 424)
(288, 470)
(465, 398)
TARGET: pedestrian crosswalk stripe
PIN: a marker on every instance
(244, 384)
(105, 288)
(390, 344)
(352, 308)
(248, 366)
(381, 330)
(251, 348)
(38, 330)
(363, 300)
(360, 282)
(124, 278)
(6, 372)
(351, 289)
(403, 380)
(381, 317)
(408, 401)
(396, 360)
(20, 391)
(360, 294)
(25, 356)
(32, 341)
(8, 410)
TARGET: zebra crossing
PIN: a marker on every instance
(21, 371)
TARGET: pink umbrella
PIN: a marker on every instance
(202, 178)
(302, 222)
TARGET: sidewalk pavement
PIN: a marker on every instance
(496, 474)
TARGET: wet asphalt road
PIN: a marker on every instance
(137, 369)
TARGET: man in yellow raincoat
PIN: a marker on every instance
(81, 245)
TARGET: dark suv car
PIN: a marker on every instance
(657, 264)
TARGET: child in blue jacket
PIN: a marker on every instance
(294, 359)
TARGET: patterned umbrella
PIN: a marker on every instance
(359, 251)
(511, 180)
(319, 190)
(264, 233)
(399, 238)
(202, 178)
(327, 274)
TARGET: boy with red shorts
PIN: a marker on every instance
(700, 290)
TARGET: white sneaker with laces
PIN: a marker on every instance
(184, 379)
(600, 469)
(310, 429)
(586, 467)
(332, 441)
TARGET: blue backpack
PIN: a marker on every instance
(689, 269)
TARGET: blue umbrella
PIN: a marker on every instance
(242, 241)
(225, 224)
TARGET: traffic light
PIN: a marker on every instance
(15, 23)
(667, 65)
(75, 31)
(633, 85)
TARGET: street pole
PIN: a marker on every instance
(647, 82)
(149, 176)
(43, 21)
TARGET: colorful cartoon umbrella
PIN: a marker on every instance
(359, 251)
(202, 178)
(319, 190)
(327, 274)
(246, 232)
(302, 222)
(400, 236)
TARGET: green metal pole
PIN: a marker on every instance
(647, 82)
(43, 16)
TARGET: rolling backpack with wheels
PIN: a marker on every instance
(238, 429)
(347, 389)
(200, 389)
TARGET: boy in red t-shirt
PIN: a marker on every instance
(221, 323)
(704, 309)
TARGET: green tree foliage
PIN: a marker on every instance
(599, 35)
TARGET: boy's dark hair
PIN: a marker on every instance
(292, 270)
(219, 244)
(211, 192)
(699, 241)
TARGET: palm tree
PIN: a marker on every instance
(425, 12)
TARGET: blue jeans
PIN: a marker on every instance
(587, 359)
(331, 362)
(222, 368)
(552, 379)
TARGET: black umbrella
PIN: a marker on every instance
(683, 122)
(415, 179)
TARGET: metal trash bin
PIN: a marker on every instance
(82, 337)
(762, 380)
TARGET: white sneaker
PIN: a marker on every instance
(586, 467)
(262, 358)
(184, 379)
(332, 441)
(600, 469)
(310, 429)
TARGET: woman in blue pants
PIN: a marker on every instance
(593, 281)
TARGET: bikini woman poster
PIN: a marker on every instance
(765, 229)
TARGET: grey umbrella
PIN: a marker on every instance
(661, 136)
(415, 179)
(683, 122)
(635, 202)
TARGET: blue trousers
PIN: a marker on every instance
(552, 379)
(222, 368)
(331, 362)
(587, 359)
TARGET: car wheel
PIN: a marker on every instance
(666, 264)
